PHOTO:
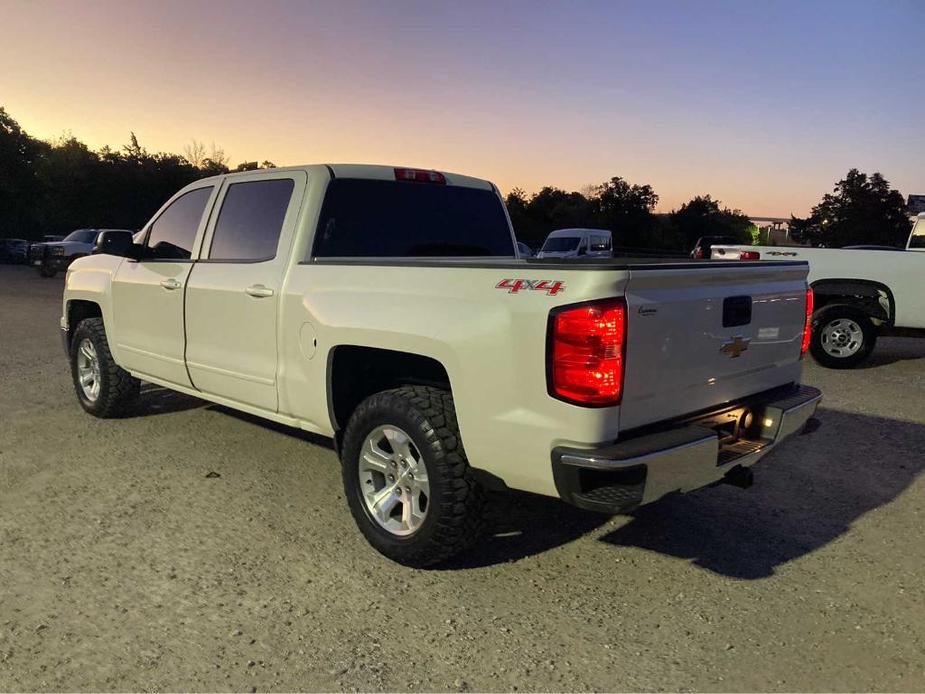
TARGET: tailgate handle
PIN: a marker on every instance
(737, 310)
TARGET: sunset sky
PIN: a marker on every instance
(762, 104)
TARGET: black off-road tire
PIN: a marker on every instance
(455, 512)
(46, 271)
(119, 390)
(827, 316)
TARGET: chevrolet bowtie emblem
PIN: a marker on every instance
(736, 346)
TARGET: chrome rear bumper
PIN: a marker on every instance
(683, 457)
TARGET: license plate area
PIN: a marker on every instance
(738, 431)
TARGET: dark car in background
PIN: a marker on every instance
(54, 257)
(705, 244)
(14, 251)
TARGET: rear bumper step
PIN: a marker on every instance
(714, 448)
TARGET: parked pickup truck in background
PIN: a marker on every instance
(53, 257)
(387, 308)
(859, 293)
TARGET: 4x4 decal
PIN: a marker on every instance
(551, 287)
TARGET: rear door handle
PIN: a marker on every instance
(259, 291)
(170, 284)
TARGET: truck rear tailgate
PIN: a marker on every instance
(703, 334)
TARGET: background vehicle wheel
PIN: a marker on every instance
(103, 388)
(842, 337)
(45, 271)
(406, 477)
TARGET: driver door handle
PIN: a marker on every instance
(170, 284)
(259, 291)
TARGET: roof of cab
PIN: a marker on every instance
(371, 171)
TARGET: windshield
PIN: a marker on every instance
(917, 240)
(561, 244)
(81, 236)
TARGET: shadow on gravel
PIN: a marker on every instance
(805, 496)
(294, 432)
(522, 525)
(157, 400)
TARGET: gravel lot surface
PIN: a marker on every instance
(126, 565)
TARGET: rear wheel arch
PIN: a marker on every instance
(356, 372)
(874, 299)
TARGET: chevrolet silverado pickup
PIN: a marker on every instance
(388, 308)
(860, 293)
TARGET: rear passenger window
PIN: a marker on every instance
(173, 233)
(251, 220)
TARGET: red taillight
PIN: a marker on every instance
(808, 325)
(749, 255)
(586, 348)
(698, 253)
(419, 176)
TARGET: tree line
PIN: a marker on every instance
(55, 187)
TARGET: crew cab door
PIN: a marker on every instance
(232, 296)
(147, 295)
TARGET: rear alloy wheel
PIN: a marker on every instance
(393, 479)
(406, 477)
(842, 337)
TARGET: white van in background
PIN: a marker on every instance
(575, 243)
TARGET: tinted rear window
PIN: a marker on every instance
(388, 219)
(251, 219)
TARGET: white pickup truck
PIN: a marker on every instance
(387, 308)
(859, 293)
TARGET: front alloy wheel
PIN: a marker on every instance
(88, 370)
(103, 388)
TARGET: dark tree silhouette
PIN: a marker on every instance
(53, 188)
(861, 209)
(703, 216)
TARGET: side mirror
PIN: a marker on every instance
(582, 250)
(120, 243)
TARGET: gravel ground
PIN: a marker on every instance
(126, 565)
